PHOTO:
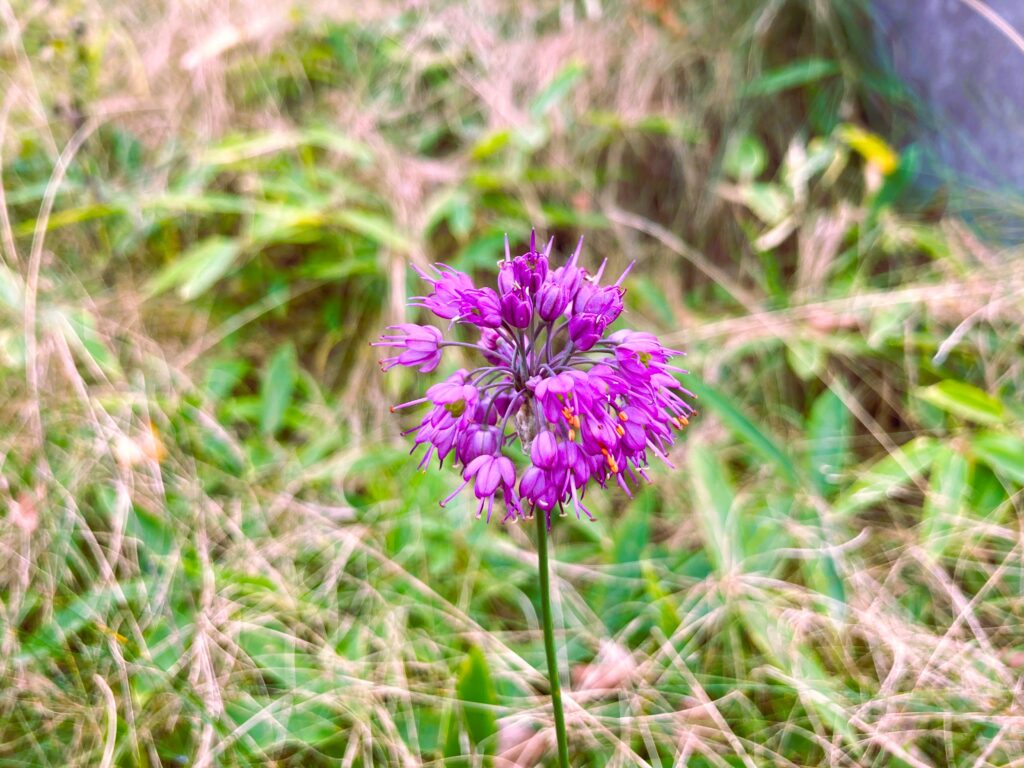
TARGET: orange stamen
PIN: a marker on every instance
(612, 465)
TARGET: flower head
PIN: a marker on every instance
(586, 407)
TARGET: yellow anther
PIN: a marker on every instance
(623, 416)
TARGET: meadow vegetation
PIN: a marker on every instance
(214, 548)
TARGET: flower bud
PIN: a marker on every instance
(517, 309)
(552, 299)
(544, 451)
(585, 330)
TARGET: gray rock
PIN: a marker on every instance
(969, 77)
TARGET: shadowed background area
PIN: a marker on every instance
(214, 548)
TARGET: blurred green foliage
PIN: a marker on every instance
(217, 549)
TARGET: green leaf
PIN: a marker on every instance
(714, 510)
(475, 686)
(276, 392)
(453, 205)
(236, 149)
(491, 143)
(1002, 452)
(197, 269)
(89, 610)
(878, 481)
(829, 429)
(806, 358)
(964, 400)
(374, 227)
(222, 376)
(12, 289)
(800, 72)
(766, 201)
(650, 295)
(946, 493)
(745, 158)
(68, 217)
(887, 324)
(79, 328)
(742, 427)
(556, 90)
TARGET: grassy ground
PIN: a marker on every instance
(215, 550)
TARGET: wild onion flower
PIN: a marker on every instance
(587, 407)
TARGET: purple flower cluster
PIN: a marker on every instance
(584, 406)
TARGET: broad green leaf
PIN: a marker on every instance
(276, 392)
(152, 532)
(823, 575)
(946, 492)
(714, 508)
(286, 224)
(886, 475)
(250, 715)
(491, 144)
(629, 540)
(631, 537)
(1002, 452)
(668, 617)
(266, 722)
(806, 358)
(222, 376)
(797, 73)
(241, 148)
(745, 158)
(829, 428)
(964, 400)
(69, 217)
(91, 609)
(475, 686)
(795, 664)
(887, 324)
(79, 329)
(766, 201)
(197, 269)
(828, 431)
(741, 426)
(271, 649)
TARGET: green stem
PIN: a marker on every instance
(549, 637)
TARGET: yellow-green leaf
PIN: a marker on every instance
(1002, 452)
(964, 400)
(276, 392)
(197, 269)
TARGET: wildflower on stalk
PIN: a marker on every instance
(586, 407)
